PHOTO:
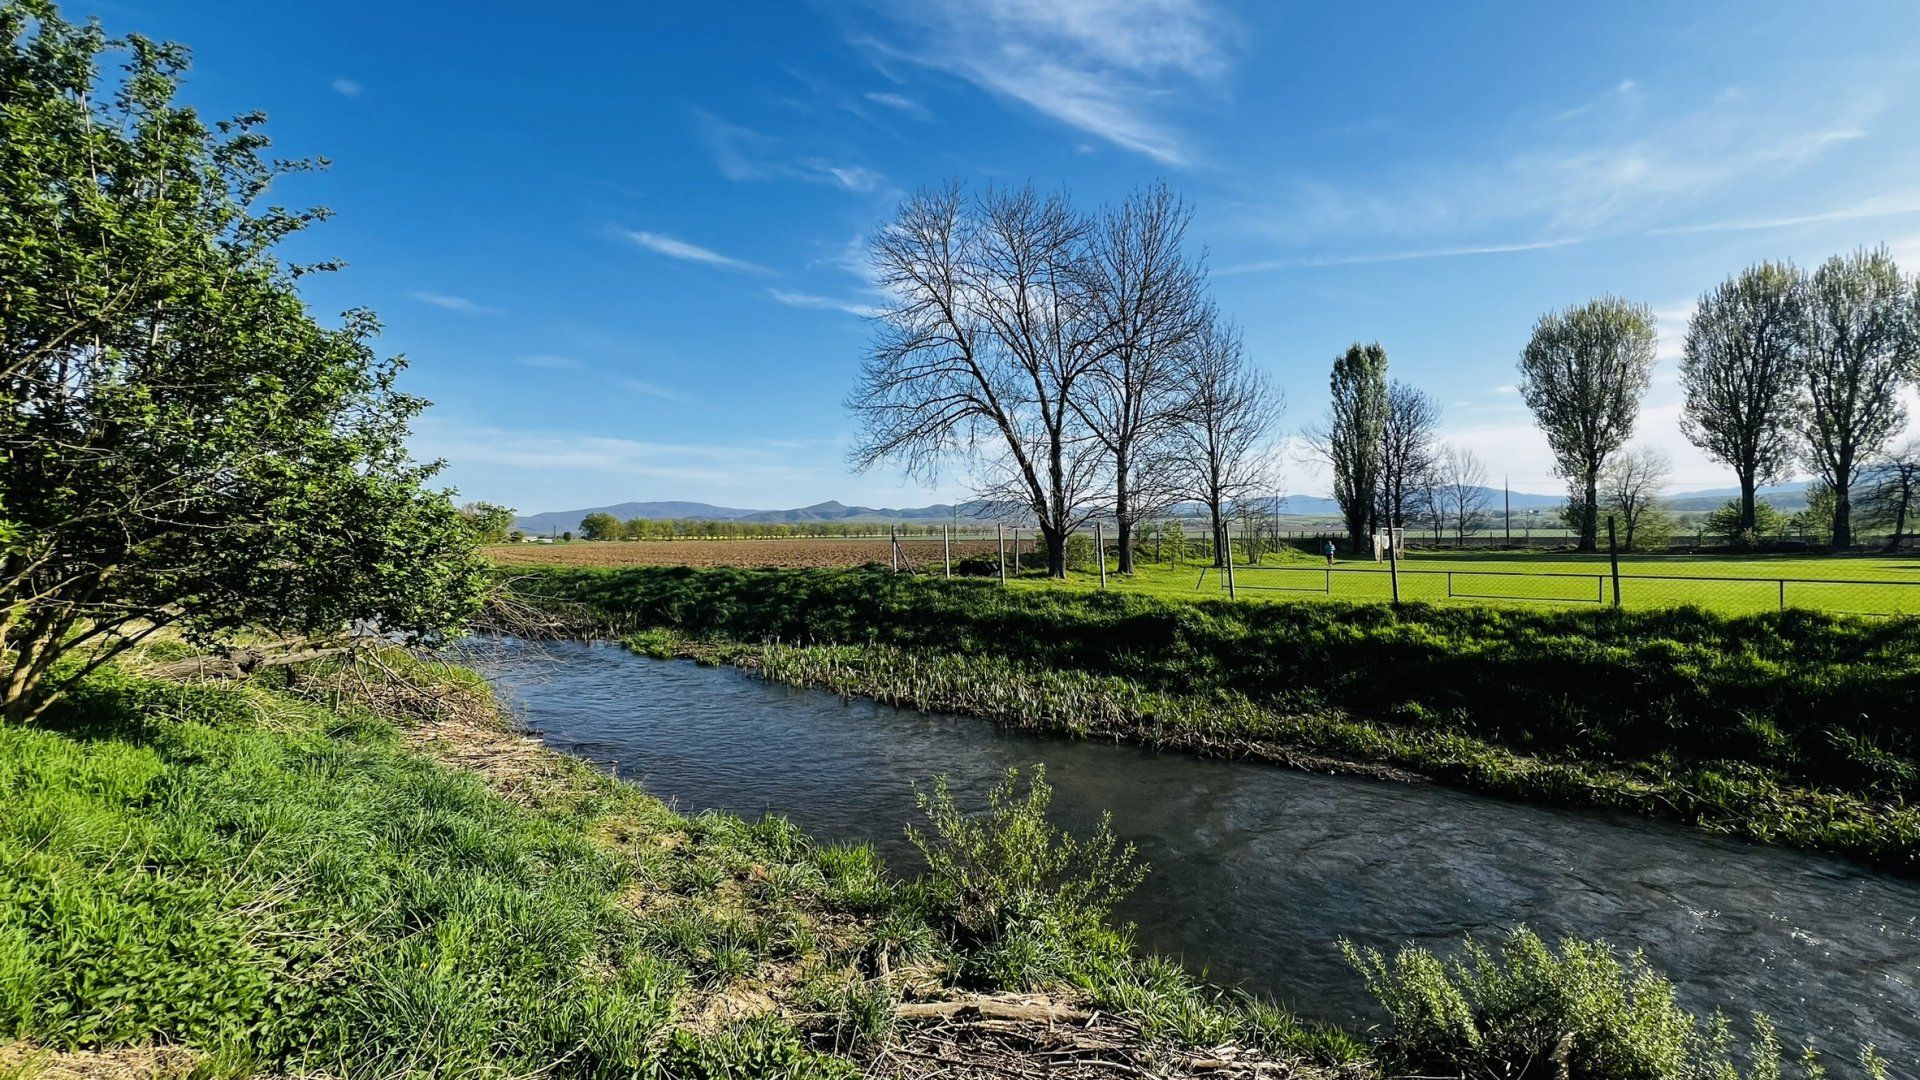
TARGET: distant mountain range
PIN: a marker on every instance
(1791, 496)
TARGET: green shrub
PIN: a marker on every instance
(1525, 1010)
(1011, 886)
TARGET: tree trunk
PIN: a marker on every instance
(1219, 529)
(1056, 540)
(1590, 516)
(1747, 499)
(1842, 519)
(1123, 517)
(1123, 534)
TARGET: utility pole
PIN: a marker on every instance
(1506, 486)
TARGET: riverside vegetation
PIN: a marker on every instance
(1787, 727)
(362, 870)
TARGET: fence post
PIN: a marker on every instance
(893, 548)
(1100, 553)
(1783, 594)
(1613, 556)
(946, 548)
(1000, 538)
(1393, 565)
(1226, 537)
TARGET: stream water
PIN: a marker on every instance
(1257, 871)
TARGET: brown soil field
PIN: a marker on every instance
(922, 552)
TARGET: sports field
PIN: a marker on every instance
(1867, 585)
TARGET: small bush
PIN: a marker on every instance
(1526, 1010)
(1017, 893)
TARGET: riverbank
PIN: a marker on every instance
(1786, 728)
(366, 871)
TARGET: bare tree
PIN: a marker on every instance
(1632, 486)
(1407, 459)
(1742, 376)
(1459, 491)
(1583, 374)
(1892, 492)
(982, 349)
(1147, 301)
(1857, 338)
(1351, 440)
(1224, 423)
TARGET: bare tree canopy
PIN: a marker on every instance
(1891, 494)
(1857, 340)
(1407, 460)
(1352, 440)
(1742, 376)
(989, 334)
(1459, 492)
(1147, 300)
(1631, 488)
(1224, 423)
(1583, 374)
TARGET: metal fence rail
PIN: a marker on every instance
(1459, 589)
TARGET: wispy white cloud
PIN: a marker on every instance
(825, 303)
(662, 244)
(1104, 67)
(742, 153)
(346, 87)
(900, 103)
(1623, 162)
(1396, 256)
(703, 467)
(664, 393)
(449, 302)
(1892, 204)
(551, 362)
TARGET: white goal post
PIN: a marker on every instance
(1383, 539)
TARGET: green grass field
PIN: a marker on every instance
(1846, 584)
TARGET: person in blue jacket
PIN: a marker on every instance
(1329, 551)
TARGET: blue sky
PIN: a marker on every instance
(622, 243)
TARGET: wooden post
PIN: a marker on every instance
(1613, 557)
(1100, 553)
(946, 547)
(1226, 538)
(1000, 538)
(1393, 565)
(893, 546)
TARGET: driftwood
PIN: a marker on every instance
(1014, 1037)
(240, 663)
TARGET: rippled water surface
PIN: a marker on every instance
(1257, 870)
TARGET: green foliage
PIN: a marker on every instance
(185, 443)
(1525, 1009)
(1724, 524)
(1080, 553)
(1015, 889)
(491, 524)
(600, 526)
(1816, 519)
(1355, 439)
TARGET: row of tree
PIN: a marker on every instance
(604, 526)
(1071, 363)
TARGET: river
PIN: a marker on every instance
(1257, 871)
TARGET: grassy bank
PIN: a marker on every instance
(1788, 727)
(380, 879)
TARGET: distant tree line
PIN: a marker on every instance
(604, 526)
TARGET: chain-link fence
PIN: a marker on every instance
(1275, 565)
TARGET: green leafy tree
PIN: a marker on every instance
(1816, 518)
(600, 526)
(187, 448)
(1743, 377)
(1583, 374)
(1858, 339)
(1353, 440)
(491, 524)
(1726, 524)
